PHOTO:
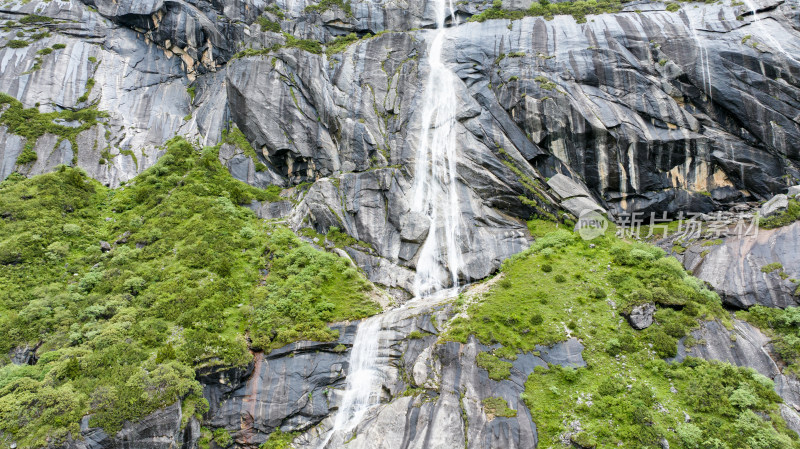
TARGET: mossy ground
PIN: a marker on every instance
(627, 395)
(121, 332)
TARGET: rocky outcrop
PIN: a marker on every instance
(738, 267)
(161, 429)
(654, 111)
(745, 345)
(776, 205)
(427, 387)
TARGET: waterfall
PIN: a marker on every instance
(440, 260)
(435, 192)
(364, 379)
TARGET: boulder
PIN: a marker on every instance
(641, 316)
(794, 191)
(777, 204)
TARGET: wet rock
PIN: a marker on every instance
(777, 204)
(641, 316)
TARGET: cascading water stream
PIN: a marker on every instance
(440, 259)
(435, 185)
(363, 379)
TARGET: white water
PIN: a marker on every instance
(435, 186)
(440, 259)
(767, 33)
(364, 379)
(705, 69)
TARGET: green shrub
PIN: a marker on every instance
(663, 344)
(34, 18)
(325, 5)
(278, 440)
(16, 43)
(268, 25)
(769, 268)
(32, 124)
(494, 406)
(673, 7)
(790, 215)
(134, 324)
(222, 438)
(498, 369)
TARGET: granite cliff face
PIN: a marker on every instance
(644, 110)
(653, 111)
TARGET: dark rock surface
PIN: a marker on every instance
(161, 429)
(639, 112)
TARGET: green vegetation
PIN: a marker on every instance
(673, 7)
(638, 274)
(783, 327)
(774, 266)
(192, 91)
(545, 83)
(32, 124)
(276, 10)
(34, 18)
(340, 43)
(308, 45)
(543, 8)
(787, 217)
(122, 331)
(305, 289)
(89, 86)
(623, 397)
(325, 5)
(279, 440)
(268, 25)
(222, 438)
(498, 369)
(415, 335)
(498, 407)
(635, 406)
(16, 43)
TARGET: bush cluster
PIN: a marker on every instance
(122, 332)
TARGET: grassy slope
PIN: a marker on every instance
(627, 396)
(122, 332)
